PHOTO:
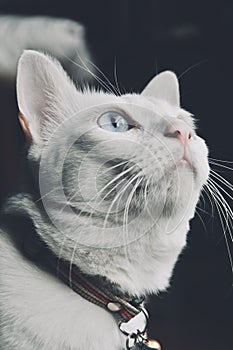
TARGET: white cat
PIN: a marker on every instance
(119, 178)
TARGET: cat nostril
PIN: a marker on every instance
(175, 134)
(179, 130)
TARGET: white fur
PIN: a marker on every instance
(62, 38)
(38, 311)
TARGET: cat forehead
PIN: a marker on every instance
(151, 104)
(131, 103)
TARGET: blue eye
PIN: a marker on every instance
(113, 121)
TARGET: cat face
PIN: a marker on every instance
(113, 169)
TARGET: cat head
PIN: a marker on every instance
(118, 174)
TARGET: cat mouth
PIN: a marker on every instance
(185, 163)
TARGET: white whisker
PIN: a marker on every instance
(102, 189)
(225, 226)
(115, 77)
(202, 221)
(191, 67)
(46, 194)
(219, 186)
(220, 160)
(220, 165)
(116, 89)
(210, 200)
(221, 179)
(126, 216)
(98, 79)
(219, 199)
(121, 192)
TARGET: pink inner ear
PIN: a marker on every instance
(25, 127)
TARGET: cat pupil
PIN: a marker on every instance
(114, 122)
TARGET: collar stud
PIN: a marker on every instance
(113, 307)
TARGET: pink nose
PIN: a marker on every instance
(179, 130)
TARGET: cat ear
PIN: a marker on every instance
(42, 88)
(165, 86)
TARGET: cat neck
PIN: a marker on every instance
(136, 269)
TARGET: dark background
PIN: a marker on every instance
(194, 39)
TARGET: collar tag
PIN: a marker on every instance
(136, 325)
(136, 331)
